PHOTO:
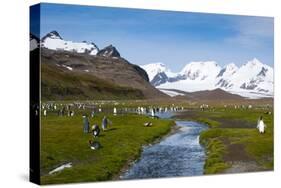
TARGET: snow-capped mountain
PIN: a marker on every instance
(153, 69)
(54, 41)
(248, 76)
(158, 73)
(195, 76)
(253, 79)
(201, 70)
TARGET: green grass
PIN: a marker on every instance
(209, 122)
(63, 140)
(259, 147)
(215, 148)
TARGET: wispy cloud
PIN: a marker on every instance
(257, 26)
(252, 32)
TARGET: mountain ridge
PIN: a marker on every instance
(54, 41)
(252, 79)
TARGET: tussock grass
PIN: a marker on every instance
(215, 150)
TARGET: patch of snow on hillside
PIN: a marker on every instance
(69, 68)
(171, 93)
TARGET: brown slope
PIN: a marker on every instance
(112, 70)
(216, 94)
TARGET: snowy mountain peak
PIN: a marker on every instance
(155, 66)
(254, 63)
(200, 70)
(251, 69)
(54, 41)
(159, 64)
(109, 51)
(228, 70)
(52, 35)
(198, 65)
(153, 69)
(231, 67)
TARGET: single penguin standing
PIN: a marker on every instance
(261, 125)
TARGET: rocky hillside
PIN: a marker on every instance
(72, 70)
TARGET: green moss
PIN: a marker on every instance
(63, 140)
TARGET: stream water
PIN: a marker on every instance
(179, 154)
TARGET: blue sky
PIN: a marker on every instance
(174, 38)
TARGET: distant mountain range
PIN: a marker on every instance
(252, 80)
(93, 67)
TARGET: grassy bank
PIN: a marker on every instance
(62, 141)
(232, 137)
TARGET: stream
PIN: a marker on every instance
(179, 154)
